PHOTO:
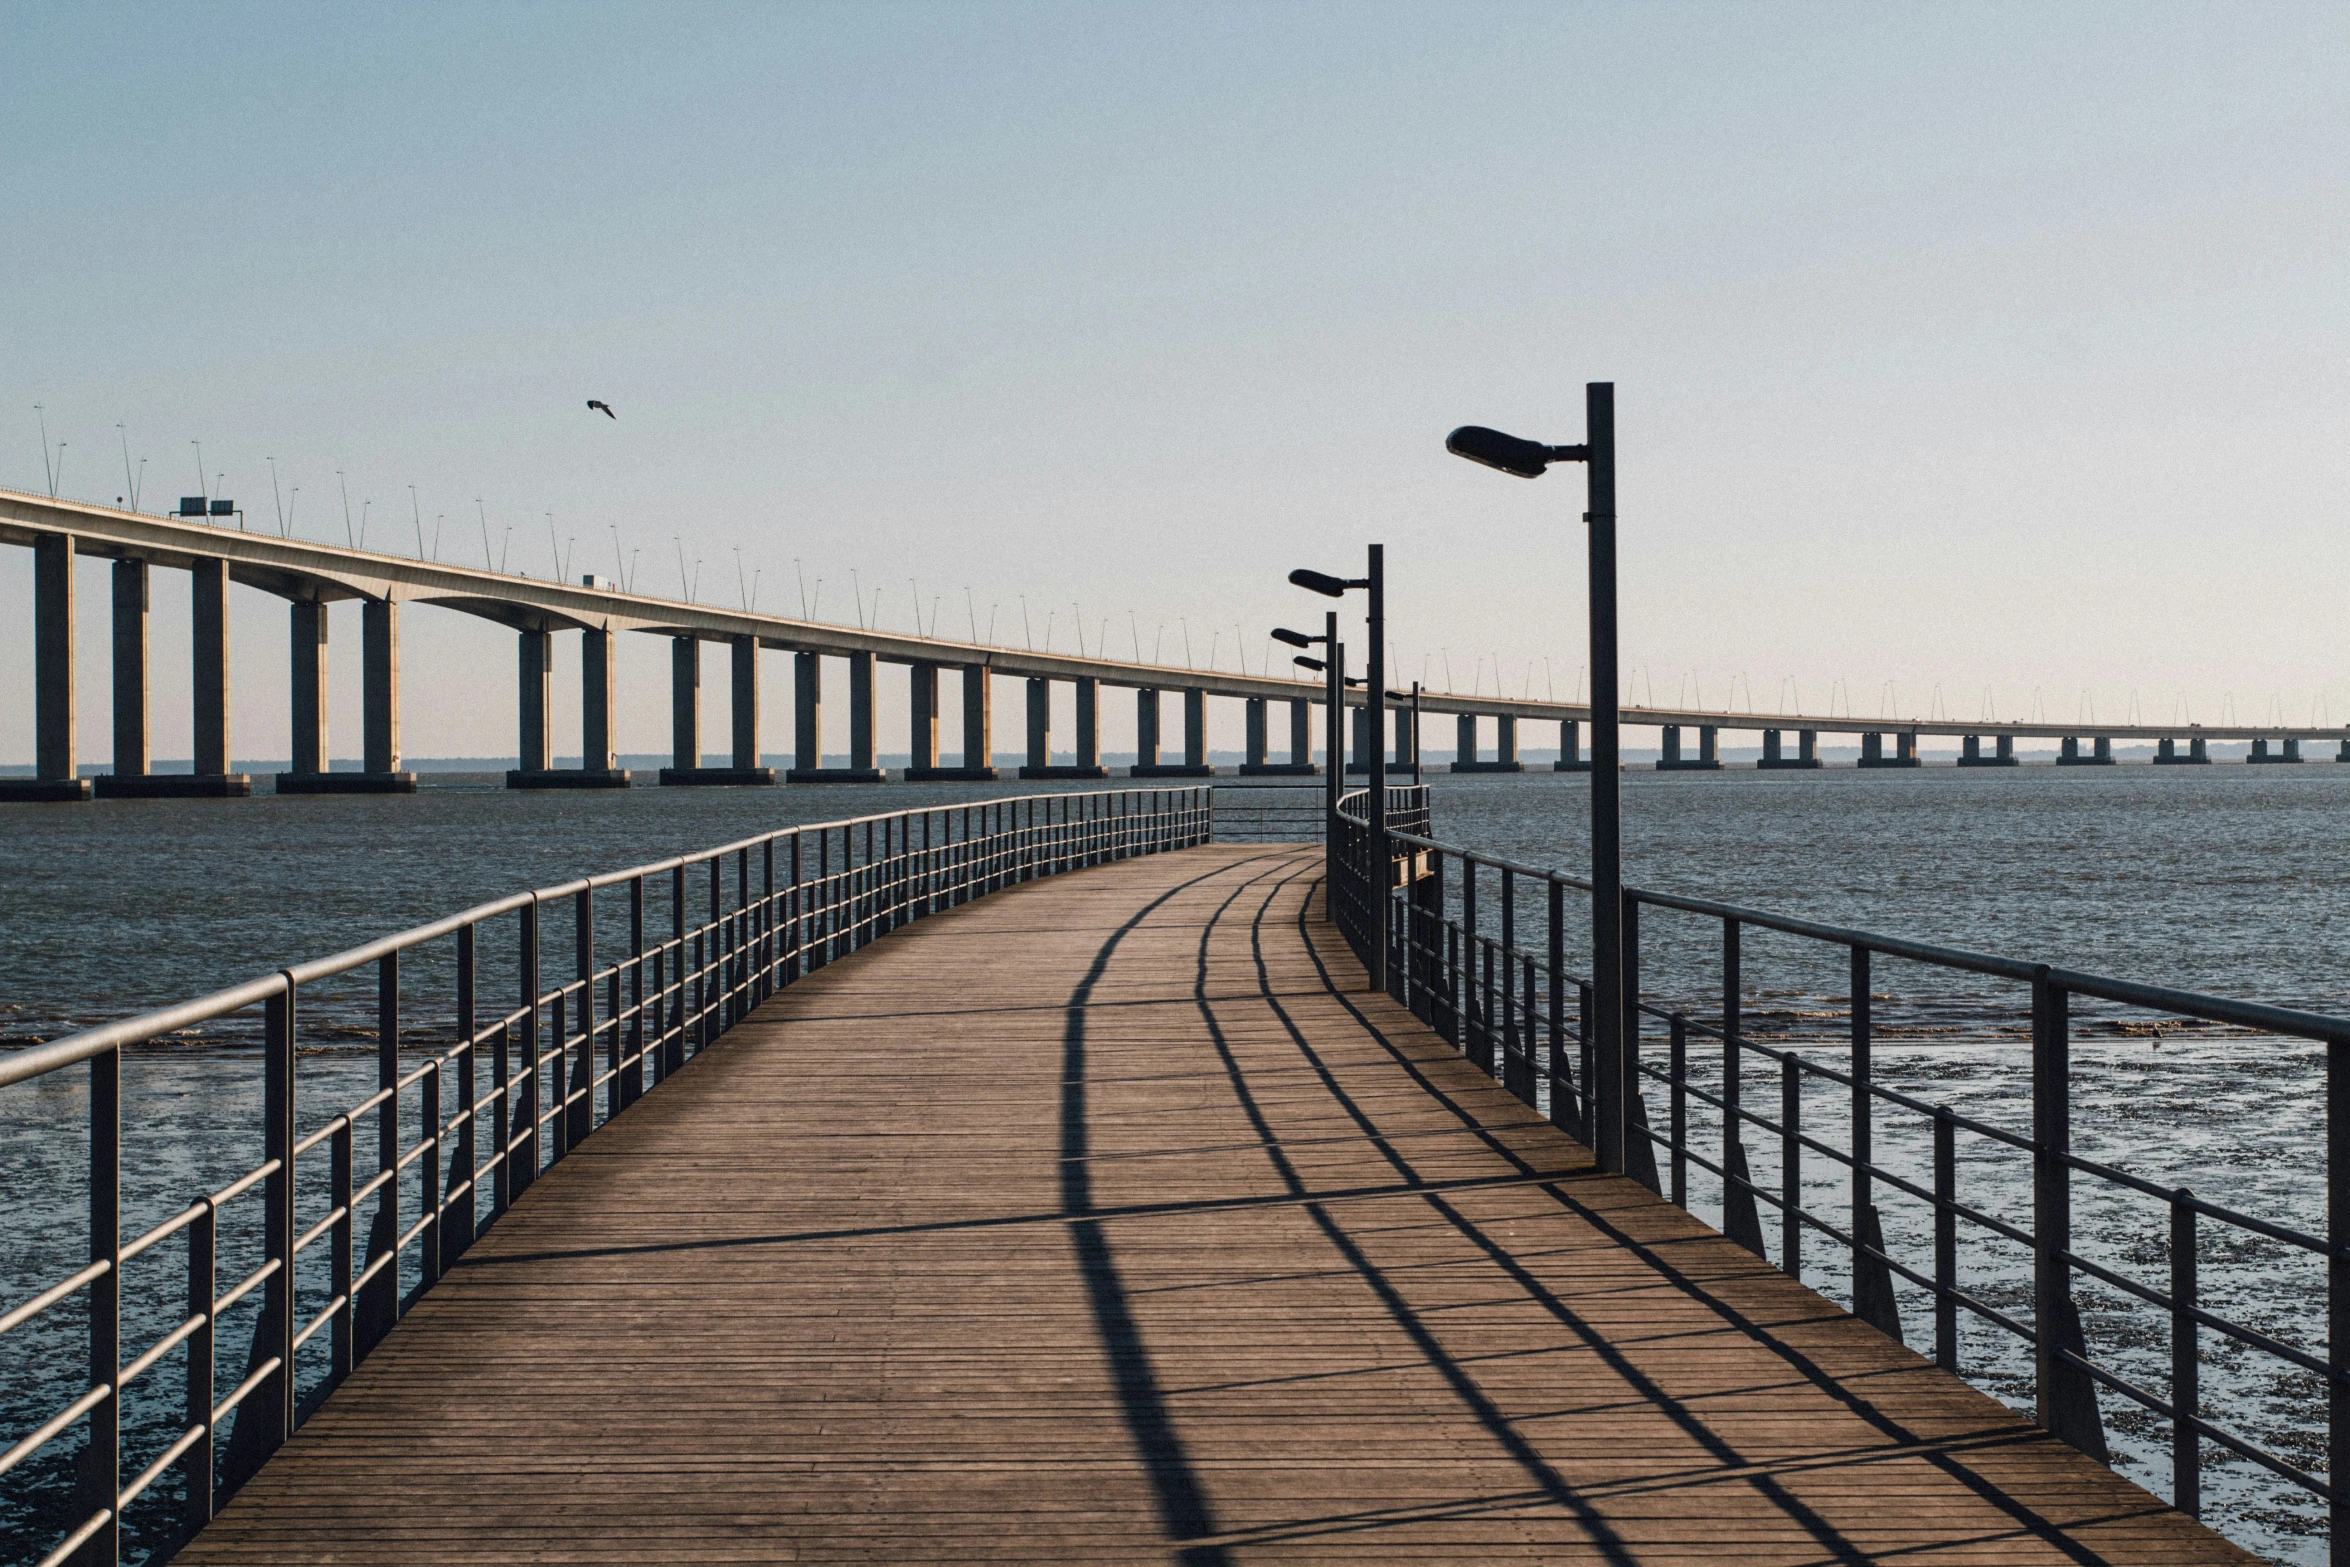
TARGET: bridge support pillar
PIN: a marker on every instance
(1146, 734)
(808, 725)
(1407, 741)
(132, 748)
(1088, 762)
(535, 658)
(1258, 761)
(379, 712)
(1464, 743)
(307, 688)
(1505, 742)
(1775, 750)
(1905, 748)
(1571, 757)
(55, 775)
(685, 684)
(2068, 752)
(2198, 750)
(1149, 759)
(922, 719)
(1359, 740)
(538, 769)
(2006, 752)
(1971, 752)
(1872, 750)
(1252, 756)
(978, 722)
(208, 615)
(745, 694)
(1301, 735)
(2103, 755)
(1709, 753)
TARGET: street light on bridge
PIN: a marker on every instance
(1528, 460)
(1375, 754)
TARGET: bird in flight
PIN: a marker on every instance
(606, 408)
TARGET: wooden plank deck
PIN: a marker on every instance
(1108, 1220)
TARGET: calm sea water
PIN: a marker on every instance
(2220, 878)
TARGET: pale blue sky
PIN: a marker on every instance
(1957, 346)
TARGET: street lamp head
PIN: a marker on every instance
(1319, 582)
(1303, 662)
(1526, 459)
(1293, 638)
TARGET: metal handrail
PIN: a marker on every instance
(577, 1050)
(1504, 1000)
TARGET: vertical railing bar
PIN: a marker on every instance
(2186, 1371)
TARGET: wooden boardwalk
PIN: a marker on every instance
(1108, 1220)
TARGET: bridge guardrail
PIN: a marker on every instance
(1502, 999)
(452, 1154)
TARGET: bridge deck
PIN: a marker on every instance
(1099, 1222)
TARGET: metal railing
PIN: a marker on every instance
(569, 1054)
(1464, 959)
(1269, 812)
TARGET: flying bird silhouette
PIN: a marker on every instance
(605, 407)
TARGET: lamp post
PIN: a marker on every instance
(1612, 1030)
(1375, 754)
(1333, 670)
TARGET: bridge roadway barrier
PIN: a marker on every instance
(313, 577)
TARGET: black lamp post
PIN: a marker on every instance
(1612, 1031)
(1333, 670)
(1375, 754)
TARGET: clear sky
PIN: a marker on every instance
(1958, 347)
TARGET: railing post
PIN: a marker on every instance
(203, 1290)
(99, 1473)
(275, 1400)
(673, 1025)
(582, 1113)
(502, 1187)
(1679, 1110)
(428, 1178)
(1945, 1240)
(1561, 1088)
(635, 1077)
(458, 1235)
(387, 1082)
(523, 1161)
(1790, 1167)
(1477, 1041)
(2186, 1368)
(2066, 1398)
(339, 1334)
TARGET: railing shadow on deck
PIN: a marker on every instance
(638, 1002)
(1465, 957)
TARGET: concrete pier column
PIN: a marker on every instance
(1464, 740)
(2006, 751)
(1672, 746)
(922, 709)
(1709, 745)
(1905, 748)
(1807, 747)
(2259, 751)
(208, 616)
(1872, 749)
(1089, 722)
(1195, 728)
(1971, 749)
(2104, 751)
(2166, 749)
(379, 686)
(1407, 741)
(1040, 722)
(1146, 728)
(978, 718)
(1770, 745)
(1505, 740)
(596, 752)
(861, 713)
(1359, 740)
(132, 749)
(807, 715)
(2069, 751)
(535, 661)
(685, 703)
(745, 693)
(2343, 753)
(1571, 759)
(1253, 751)
(309, 617)
(1301, 733)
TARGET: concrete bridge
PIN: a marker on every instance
(311, 576)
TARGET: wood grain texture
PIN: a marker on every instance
(1110, 1220)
